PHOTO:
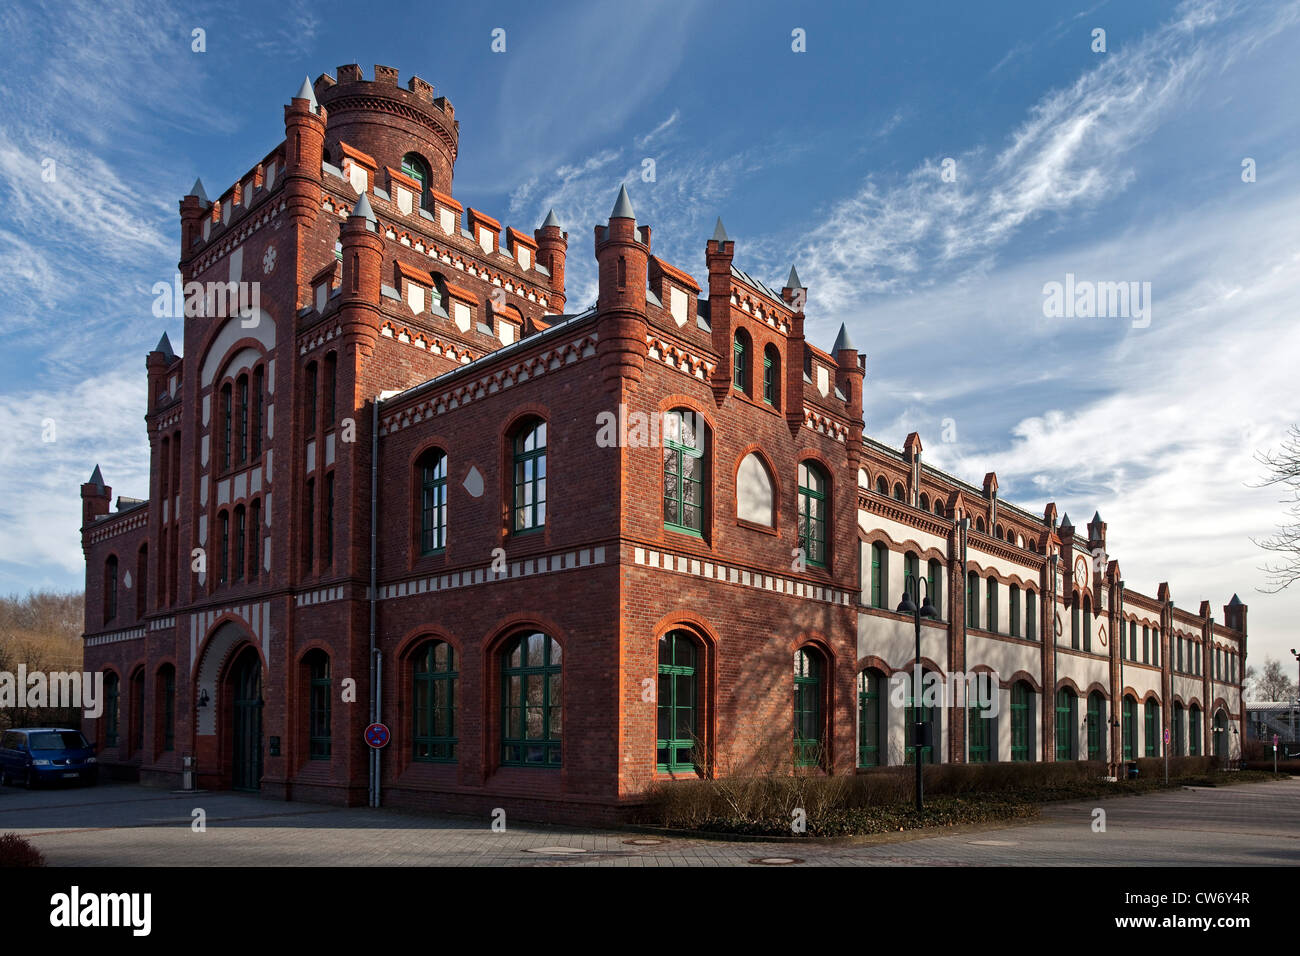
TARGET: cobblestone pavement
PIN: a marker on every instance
(125, 824)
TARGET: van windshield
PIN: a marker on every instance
(58, 740)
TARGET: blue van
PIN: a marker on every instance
(37, 755)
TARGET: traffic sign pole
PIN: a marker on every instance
(1166, 757)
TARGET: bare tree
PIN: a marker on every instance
(1272, 683)
(1283, 470)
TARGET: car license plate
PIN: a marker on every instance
(72, 775)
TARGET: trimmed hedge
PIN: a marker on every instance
(16, 851)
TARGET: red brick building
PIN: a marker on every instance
(560, 554)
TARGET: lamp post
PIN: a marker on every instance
(908, 606)
(1295, 736)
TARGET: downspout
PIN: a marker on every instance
(962, 527)
(374, 594)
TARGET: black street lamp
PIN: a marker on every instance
(908, 606)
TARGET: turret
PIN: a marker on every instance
(718, 253)
(552, 248)
(95, 498)
(622, 256)
(157, 362)
(363, 252)
(1096, 532)
(194, 207)
(304, 144)
(795, 295)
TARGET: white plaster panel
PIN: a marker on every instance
(207, 408)
(237, 265)
(241, 486)
(677, 305)
(898, 532)
(446, 219)
(270, 422)
(203, 490)
(1006, 568)
(259, 326)
(311, 456)
(460, 313)
(754, 493)
(894, 641)
(203, 451)
(223, 492)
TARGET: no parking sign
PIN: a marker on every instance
(377, 736)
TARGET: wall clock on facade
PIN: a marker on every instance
(268, 260)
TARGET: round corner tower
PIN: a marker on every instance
(387, 122)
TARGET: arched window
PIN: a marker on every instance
(925, 501)
(899, 493)
(1074, 620)
(112, 708)
(1193, 731)
(413, 165)
(979, 525)
(1178, 734)
(318, 704)
(685, 461)
(740, 361)
(1155, 646)
(1151, 732)
(432, 469)
(755, 493)
(980, 728)
(938, 507)
(1013, 608)
(223, 546)
(882, 486)
(812, 513)
(528, 505)
(879, 575)
(1096, 721)
(972, 600)
(1066, 706)
(241, 385)
(911, 576)
(110, 588)
(259, 389)
(772, 376)
(927, 714)
(227, 416)
(991, 603)
(165, 708)
(331, 389)
(531, 701)
(1087, 623)
(434, 699)
(807, 708)
(240, 549)
(1129, 728)
(137, 711)
(934, 579)
(997, 532)
(870, 724)
(1022, 698)
(677, 703)
(1031, 615)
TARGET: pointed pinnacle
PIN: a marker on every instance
(622, 206)
(362, 208)
(842, 342)
(97, 478)
(307, 93)
(793, 282)
(719, 233)
(198, 191)
(551, 220)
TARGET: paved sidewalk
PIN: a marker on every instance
(125, 824)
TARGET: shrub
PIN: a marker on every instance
(16, 851)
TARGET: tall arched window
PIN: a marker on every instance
(1074, 620)
(318, 704)
(1151, 733)
(882, 486)
(531, 701)
(1022, 697)
(772, 376)
(925, 501)
(992, 604)
(972, 600)
(740, 361)
(112, 708)
(926, 713)
(1066, 705)
(1193, 731)
(912, 576)
(413, 165)
(110, 588)
(1179, 734)
(223, 546)
(240, 549)
(1087, 623)
(870, 702)
(677, 703)
(980, 727)
(432, 467)
(755, 491)
(979, 525)
(899, 493)
(807, 708)
(259, 389)
(433, 702)
(137, 711)
(1013, 609)
(529, 455)
(1129, 728)
(1031, 615)
(812, 513)
(1096, 721)
(938, 507)
(227, 416)
(879, 575)
(685, 460)
(242, 387)
(165, 708)
(934, 579)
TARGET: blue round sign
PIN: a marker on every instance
(377, 735)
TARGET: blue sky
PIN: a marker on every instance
(1117, 166)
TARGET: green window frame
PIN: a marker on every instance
(934, 575)
(435, 682)
(1146, 644)
(879, 565)
(529, 502)
(1075, 629)
(318, 716)
(1065, 708)
(807, 708)
(1095, 721)
(972, 600)
(979, 733)
(677, 700)
(869, 723)
(1152, 733)
(112, 708)
(169, 708)
(685, 465)
(433, 502)
(739, 368)
(1129, 728)
(1193, 731)
(812, 513)
(928, 715)
(769, 377)
(415, 167)
(1220, 730)
(1031, 616)
(1178, 735)
(1020, 716)
(1087, 623)
(991, 604)
(1013, 609)
(911, 575)
(531, 702)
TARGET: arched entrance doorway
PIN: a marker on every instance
(244, 691)
(1220, 735)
